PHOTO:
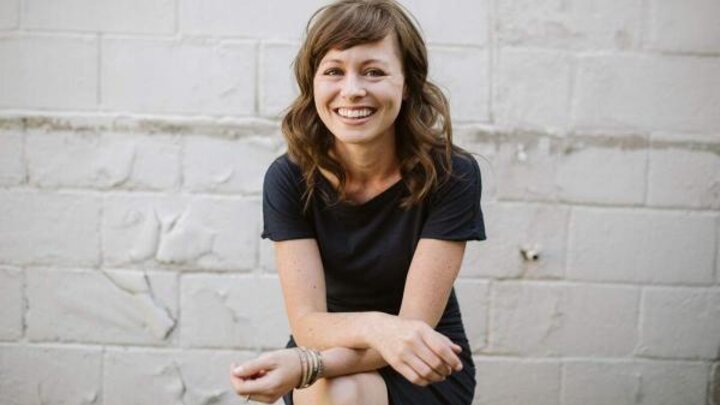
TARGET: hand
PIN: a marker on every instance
(415, 350)
(267, 377)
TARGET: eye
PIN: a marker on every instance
(374, 73)
(332, 72)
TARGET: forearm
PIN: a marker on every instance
(339, 361)
(323, 330)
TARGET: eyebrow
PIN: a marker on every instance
(367, 62)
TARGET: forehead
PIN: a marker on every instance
(385, 50)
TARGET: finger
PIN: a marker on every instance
(410, 374)
(433, 360)
(442, 346)
(251, 368)
(424, 370)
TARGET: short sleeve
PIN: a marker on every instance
(283, 216)
(454, 211)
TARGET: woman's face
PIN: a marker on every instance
(359, 91)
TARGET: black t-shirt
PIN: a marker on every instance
(366, 249)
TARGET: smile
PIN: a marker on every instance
(355, 113)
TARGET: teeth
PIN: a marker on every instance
(354, 113)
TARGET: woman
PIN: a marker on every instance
(369, 211)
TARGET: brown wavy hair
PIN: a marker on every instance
(423, 130)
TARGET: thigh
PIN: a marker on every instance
(354, 389)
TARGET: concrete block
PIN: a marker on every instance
(532, 89)
(602, 175)
(684, 178)
(103, 160)
(244, 312)
(9, 14)
(137, 307)
(642, 246)
(36, 375)
(135, 16)
(647, 92)
(627, 382)
(512, 227)
(525, 170)
(179, 377)
(181, 77)
(463, 74)
(680, 323)
(12, 167)
(227, 165)
(571, 320)
(686, 26)
(715, 384)
(277, 81)
(511, 381)
(470, 21)
(12, 304)
(474, 300)
(267, 256)
(44, 228)
(42, 71)
(575, 24)
(273, 19)
(186, 233)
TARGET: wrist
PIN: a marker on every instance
(374, 328)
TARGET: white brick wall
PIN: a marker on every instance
(133, 140)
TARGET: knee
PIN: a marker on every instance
(354, 389)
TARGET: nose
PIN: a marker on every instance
(353, 87)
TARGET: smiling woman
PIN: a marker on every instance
(370, 211)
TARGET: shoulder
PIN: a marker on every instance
(465, 171)
(283, 170)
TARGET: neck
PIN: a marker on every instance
(368, 163)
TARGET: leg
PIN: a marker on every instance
(355, 389)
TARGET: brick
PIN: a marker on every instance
(571, 320)
(603, 175)
(512, 227)
(498, 379)
(227, 165)
(44, 228)
(470, 22)
(684, 178)
(12, 304)
(186, 233)
(687, 26)
(135, 16)
(526, 169)
(12, 168)
(48, 72)
(267, 256)
(103, 160)
(627, 382)
(715, 385)
(569, 24)
(647, 92)
(188, 376)
(273, 19)
(463, 74)
(244, 312)
(532, 88)
(182, 77)
(641, 246)
(474, 299)
(278, 88)
(137, 307)
(37, 375)
(680, 323)
(9, 14)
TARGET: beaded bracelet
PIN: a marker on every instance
(312, 366)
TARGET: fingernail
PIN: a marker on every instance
(238, 370)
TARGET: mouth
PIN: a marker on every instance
(355, 113)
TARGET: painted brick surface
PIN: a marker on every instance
(680, 323)
(686, 26)
(463, 75)
(9, 14)
(697, 187)
(233, 312)
(137, 308)
(647, 246)
(43, 71)
(469, 19)
(647, 92)
(498, 379)
(11, 302)
(227, 166)
(188, 233)
(103, 161)
(135, 16)
(474, 299)
(201, 77)
(278, 88)
(633, 382)
(542, 319)
(49, 228)
(40, 375)
(12, 167)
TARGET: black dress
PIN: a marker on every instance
(366, 252)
